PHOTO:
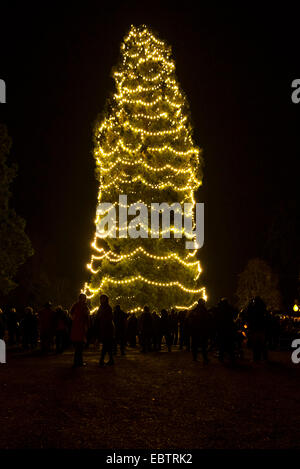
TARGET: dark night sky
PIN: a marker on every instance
(236, 66)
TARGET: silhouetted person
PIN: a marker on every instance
(132, 329)
(174, 326)
(92, 334)
(225, 329)
(12, 326)
(120, 321)
(69, 326)
(182, 317)
(61, 333)
(166, 329)
(47, 327)
(213, 335)
(257, 321)
(29, 328)
(239, 325)
(156, 331)
(199, 321)
(106, 329)
(146, 329)
(80, 314)
(2, 325)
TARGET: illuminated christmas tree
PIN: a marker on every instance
(144, 150)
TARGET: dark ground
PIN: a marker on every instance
(153, 401)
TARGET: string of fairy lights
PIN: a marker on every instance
(115, 258)
(140, 278)
(147, 126)
(147, 166)
(139, 178)
(113, 254)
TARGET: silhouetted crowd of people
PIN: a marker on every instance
(221, 330)
(48, 326)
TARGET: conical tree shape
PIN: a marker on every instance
(144, 149)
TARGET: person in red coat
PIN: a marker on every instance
(80, 315)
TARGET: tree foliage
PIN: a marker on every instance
(258, 279)
(15, 246)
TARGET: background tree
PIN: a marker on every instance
(39, 280)
(258, 279)
(15, 246)
(144, 149)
